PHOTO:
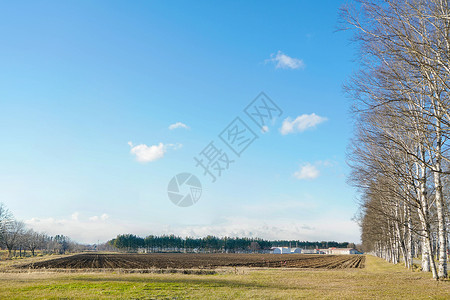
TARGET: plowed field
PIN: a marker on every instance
(201, 261)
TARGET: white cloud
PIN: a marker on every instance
(301, 123)
(340, 229)
(330, 225)
(178, 125)
(282, 206)
(174, 146)
(282, 61)
(75, 216)
(307, 171)
(84, 230)
(327, 163)
(103, 217)
(146, 153)
(264, 129)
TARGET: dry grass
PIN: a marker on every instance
(379, 280)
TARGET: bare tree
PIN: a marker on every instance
(11, 233)
(403, 91)
(34, 240)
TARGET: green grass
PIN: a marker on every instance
(379, 280)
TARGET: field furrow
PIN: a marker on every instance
(200, 261)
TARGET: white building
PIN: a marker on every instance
(281, 250)
(340, 251)
(345, 251)
(335, 251)
(310, 251)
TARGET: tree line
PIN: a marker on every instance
(401, 107)
(18, 239)
(154, 243)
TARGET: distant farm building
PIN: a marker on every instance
(286, 250)
(281, 250)
(340, 251)
(335, 251)
(310, 251)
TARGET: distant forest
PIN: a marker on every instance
(172, 243)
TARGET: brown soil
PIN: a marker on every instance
(200, 261)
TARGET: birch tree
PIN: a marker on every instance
(405, 71)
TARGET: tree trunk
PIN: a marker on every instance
(442, 230)
(425, 255)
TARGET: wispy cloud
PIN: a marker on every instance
(282, 206)
(301, 123)
(340, 229)
(282, 61)
(307, 172)
(81, 229)
(91, 231)
(75, 216)
(103, 217)
(178, 125)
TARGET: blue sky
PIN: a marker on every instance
(80, 80)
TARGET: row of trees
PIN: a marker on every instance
(399, 155)
(152, 243)
(17, 238)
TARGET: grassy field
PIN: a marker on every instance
(379, 280)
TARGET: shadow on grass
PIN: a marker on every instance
(210, 281)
